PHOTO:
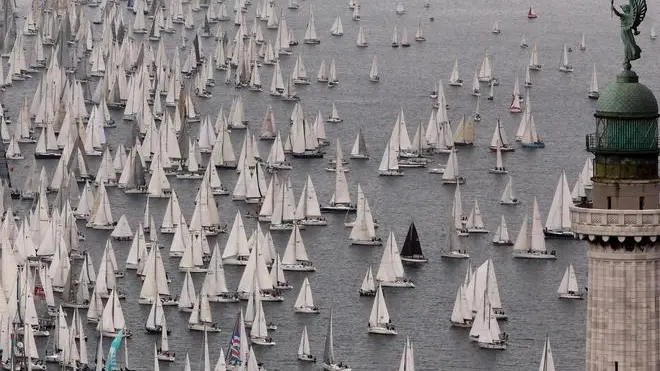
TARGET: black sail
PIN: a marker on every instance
(411, 246)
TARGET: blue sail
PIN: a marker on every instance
(112, 353)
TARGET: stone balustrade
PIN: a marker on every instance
(610, 222)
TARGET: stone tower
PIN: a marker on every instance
(622, 228)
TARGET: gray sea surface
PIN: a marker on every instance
(563, 116)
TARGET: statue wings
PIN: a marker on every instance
(638, 9)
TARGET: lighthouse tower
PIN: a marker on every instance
(621, 228)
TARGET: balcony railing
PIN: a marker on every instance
(608, 222)
(605, 143)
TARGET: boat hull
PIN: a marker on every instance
(534, 255)
(414, 260)
(306, 310)
(339, 208)
(478, 230)
(503, 243)
(335, 367)
(367, 292)
(571, 296)
(466, 324)
(298, 268)
(262, 342)
(398, 284)
(306, 358)
(375, 242)
(202, 327)
(494, 346)
(378, 330)
(455, 255)
(558, 234)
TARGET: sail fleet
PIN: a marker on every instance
(156, 95)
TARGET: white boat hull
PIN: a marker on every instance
(312, 222)
(235, 261)
(166, 357)
(306, 358)
(202, 327)
(224, 299)
(494, 346)
(298, 268)
(533, 255)
(306, 310)
(414, 260)
(375, 242)
(455, 255)
(262, 341)
(335, 367)
(398, 284)
(382, 330)
(571, 296)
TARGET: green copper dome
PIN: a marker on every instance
(627, 98)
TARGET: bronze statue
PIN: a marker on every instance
(631, 16)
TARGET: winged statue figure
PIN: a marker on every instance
(631, 16)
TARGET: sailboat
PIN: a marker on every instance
(486, 328)
(305, 302)
(534, 249)
(334, 115)
(379, 319)
(395, 38)
(568, 288)
(464, 134)
(534, 63)
(361, 39)
(508, 195)
(583, 43)
(531, 14)
(496, 28)
(501, 237)
(164, 353)
(474, 222)
(476, 89)
(547, 362)
(295, 256)
(593, 86)
(451, 174)
(329, 362)
(652, 34)
(528, 78)
(564, 64)
(461, 315)
(499, 164)
(404, 38)
(359, 150)
(407, 362)
(363, 232)
(411, 252)
(368, 287)
(304, 351)
(373, 72)
(530, 138)
(558, 224)
(523, 41)
(419, 33)
(340, 202)
(454, 78)
(389, 163)
(390, 271)
(516, 99)
(400, 9)
(453, 249)
(337, 28)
